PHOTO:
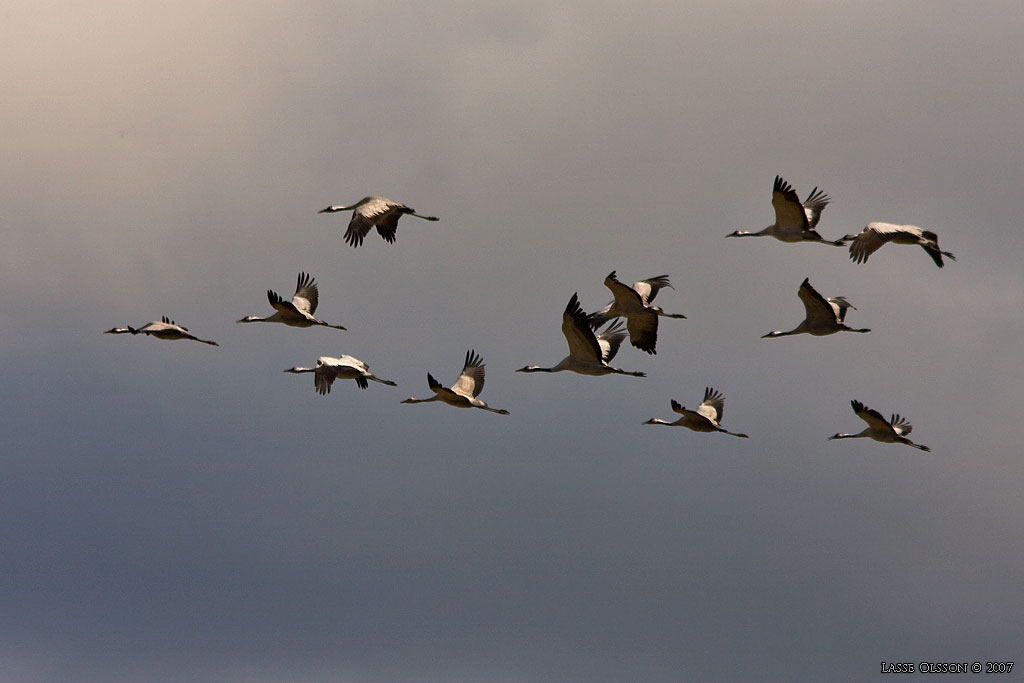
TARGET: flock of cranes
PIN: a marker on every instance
(590, 351)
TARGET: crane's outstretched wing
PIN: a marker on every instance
(649, 288)
(711, 406)
(872, 417)
(789, 212)
(471, 381)
(576, 329)
(817, 308)
(610, 340)
(307, 294)
(813, 206)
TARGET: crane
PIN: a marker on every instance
(705, 418)
(329, 368)
(374, 212)
(464, 392)
(823, 316)
(589, 354)
(895, 430)
(634, 304)
(165, 329)
(295, 313)
(874, 235)
(794, 222)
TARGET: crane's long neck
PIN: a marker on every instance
(748, 233)
(298, 370)
(537, 368)
(850, 436)
(422, 400)
(658, 421)
(779, 333)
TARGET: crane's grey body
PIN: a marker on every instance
(295, 313)
(794, 221)
(894, 430)
(876, 235)
(464, 393)
(589, 354)
(822, 316)
(634, 304)
(705, 418)
(164, 329)
(330, 368)
(374, 212)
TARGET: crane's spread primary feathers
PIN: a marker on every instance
(374, 212)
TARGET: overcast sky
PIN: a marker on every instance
(181, 512)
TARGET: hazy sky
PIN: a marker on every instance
(179, 512)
